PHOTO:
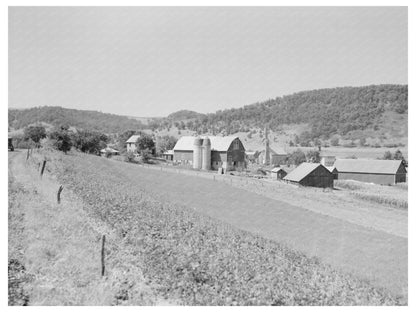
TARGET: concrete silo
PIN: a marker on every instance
(206, 154)
(197, 163)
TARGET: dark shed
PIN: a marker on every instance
(311, 174)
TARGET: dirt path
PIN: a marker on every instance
(368, 253)
(62, 247)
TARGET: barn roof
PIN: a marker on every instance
(331, 168)
(368, 165)
(301, 171)
(133, 138)
(221, 144)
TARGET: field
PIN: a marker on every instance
(187, 240)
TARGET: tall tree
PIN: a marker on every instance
(35, 133)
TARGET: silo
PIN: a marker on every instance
(196, 163)
(206, 154)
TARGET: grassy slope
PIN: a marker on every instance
(60, 247)
(372, 254)
(206, 262)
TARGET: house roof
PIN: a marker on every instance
(221, 144)
(368, 165)
(301, 171)
(133, 138)
(277, 169)
(109, 149)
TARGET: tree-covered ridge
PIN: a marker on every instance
(184, 115)
(82, 119)
(327, 111)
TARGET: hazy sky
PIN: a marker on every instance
(148, 61)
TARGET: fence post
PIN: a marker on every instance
(43, 168)
(102, 256)
(59, 194)
(27, 157)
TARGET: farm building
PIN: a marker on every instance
(168, 155)
(371, 170)
(333, 170)
(277, 156)
(278, 173)
(131, 143)
(311, 174)
(109, 151)
(210, 152)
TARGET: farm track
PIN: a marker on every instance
(374, 255)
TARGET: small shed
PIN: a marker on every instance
(311, 174)
(333, 170)
(278, 173)
(377, 171)
(168, 155)
(109, 151)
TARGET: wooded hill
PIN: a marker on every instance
(327, 111)
(82, 119)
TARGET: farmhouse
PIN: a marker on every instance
(131, 143)
(311, 174)
(278, 173)
(371, 170)
(210, 152)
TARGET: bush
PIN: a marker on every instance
(130, 157)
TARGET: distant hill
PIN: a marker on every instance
(83, 119)
(349, 112)
(184, 115)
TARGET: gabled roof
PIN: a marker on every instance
(301, 171)
(368, 165)
(221, 144)
(277, 169)
(109, 149)
(331, 169)
(133, 138)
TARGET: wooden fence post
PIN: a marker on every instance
(103, 256)
(27, 157)
(59, 194)
(43, 168)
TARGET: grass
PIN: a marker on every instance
(197, 259)
(61, 248)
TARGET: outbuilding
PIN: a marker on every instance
(311, 174)
(377, 171)
(278, 173)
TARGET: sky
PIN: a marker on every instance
(152, 61)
